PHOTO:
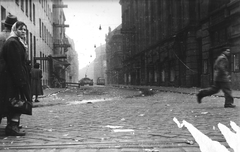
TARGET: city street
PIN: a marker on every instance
(119, 119)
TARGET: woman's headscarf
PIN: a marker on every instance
(14, 33)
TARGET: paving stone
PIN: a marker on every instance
(130, 150)
(109, 150)
(82, 127)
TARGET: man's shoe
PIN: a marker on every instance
(37, 101)
(229, 106)
(199, 99)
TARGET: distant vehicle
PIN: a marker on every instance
(100, 81)
(85, 81)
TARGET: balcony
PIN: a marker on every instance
(60, 25)
(59, 6)
(61, 43)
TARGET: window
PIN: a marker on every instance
(40, 27)
(30, 9)
(150, 76)
(172, 75)
(26, 6)
(163, 76)
(41, 65)
(205, 66)
(219, 36)
(27, 38)
(17, 2)
(22, 5)
(235, 62)
(129, 78)
(27, 41)
(34, 46)
(43, 62)
(3, 16)
(34, 14)
(31, 47)
(42, 32)
(156, 76)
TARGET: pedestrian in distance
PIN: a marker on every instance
(221, 80)
(14, 80)
(36, 81)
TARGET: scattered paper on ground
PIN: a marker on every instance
(208, 145)
(233, 139)
(123, 130)
(113, 127)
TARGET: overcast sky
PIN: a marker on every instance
(84, 18)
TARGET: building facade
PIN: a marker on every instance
(100, 63)
(175, 42)
(72, 73)
(114, 56)
(47, 43)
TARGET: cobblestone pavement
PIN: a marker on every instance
(111, 119)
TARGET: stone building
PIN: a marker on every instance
(46, 38)
(100, 63)
(114, 56)
(175, 42)
(72, 73)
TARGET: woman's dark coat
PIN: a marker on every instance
(14, 79)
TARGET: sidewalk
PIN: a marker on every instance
(50, 91)
(193, 90)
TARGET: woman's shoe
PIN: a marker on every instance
(12, 129)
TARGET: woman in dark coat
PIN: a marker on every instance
(36, 83)
(14, 80)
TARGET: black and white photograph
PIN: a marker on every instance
(120, 76)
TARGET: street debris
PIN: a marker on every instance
(190, 142)
(89, 101)
(204, 113)
(113, 127)
(49, 130)
(146, 92)
(123, 130)
(232, 138)
(214, 127)
(208, 145)
(151, 150)
(123, 119)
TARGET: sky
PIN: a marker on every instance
(84, 18)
